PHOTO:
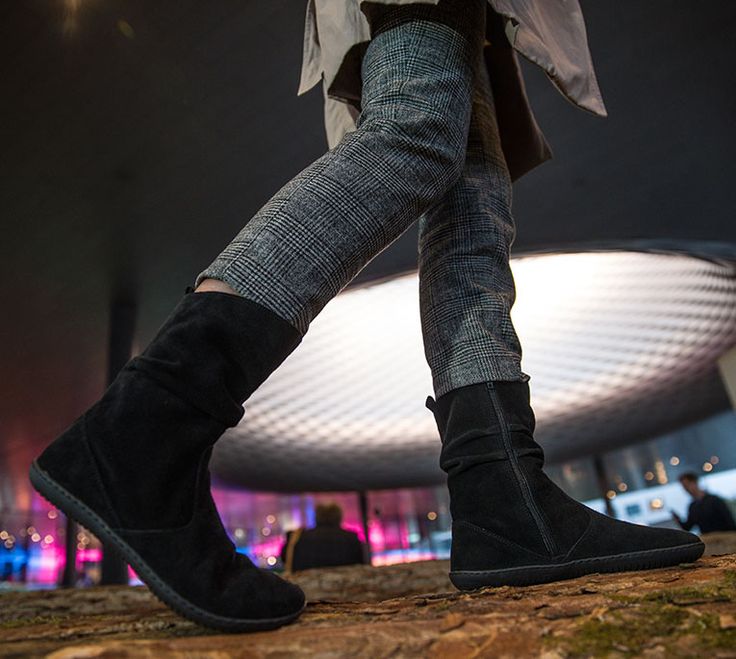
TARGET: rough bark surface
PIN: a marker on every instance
(376, 612)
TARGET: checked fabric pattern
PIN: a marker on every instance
(466, 288)
(422, 80)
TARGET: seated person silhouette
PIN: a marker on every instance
(325, 545)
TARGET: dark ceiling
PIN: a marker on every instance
(137, 137)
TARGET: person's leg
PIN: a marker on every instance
(511, 524)
(134, 467)
(466, 287)
(321, 228)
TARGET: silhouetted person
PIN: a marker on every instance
(325, 545)
(707, 511)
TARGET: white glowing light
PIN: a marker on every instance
(613, 341)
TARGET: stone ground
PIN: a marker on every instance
(404, 611)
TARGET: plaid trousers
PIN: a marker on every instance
(426, 148)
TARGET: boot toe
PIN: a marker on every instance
(276, 597)
(226, 585)
(606, 536)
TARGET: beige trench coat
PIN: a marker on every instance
(549, 33)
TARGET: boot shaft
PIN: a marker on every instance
(215, 350)
(156, 423)
(482, 423)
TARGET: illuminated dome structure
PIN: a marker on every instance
(620, 346)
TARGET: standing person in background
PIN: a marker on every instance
(707, 511)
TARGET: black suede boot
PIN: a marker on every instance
(133, 469)
(511, 525)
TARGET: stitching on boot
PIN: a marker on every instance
(595, 560)
(583, 535)
(501, 540)
(527, 494)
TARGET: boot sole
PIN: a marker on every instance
(537, 574)
(74, 508)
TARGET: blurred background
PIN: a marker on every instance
(138, 137)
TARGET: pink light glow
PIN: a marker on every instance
(89, 555)
(403, 556)
(377, 536)
(355, 528)
(270, 548)
(44, 565)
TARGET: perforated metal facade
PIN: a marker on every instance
(620, 346)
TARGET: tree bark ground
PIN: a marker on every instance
(404, 611)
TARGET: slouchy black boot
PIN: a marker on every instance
(133, 469)
(511, 525)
